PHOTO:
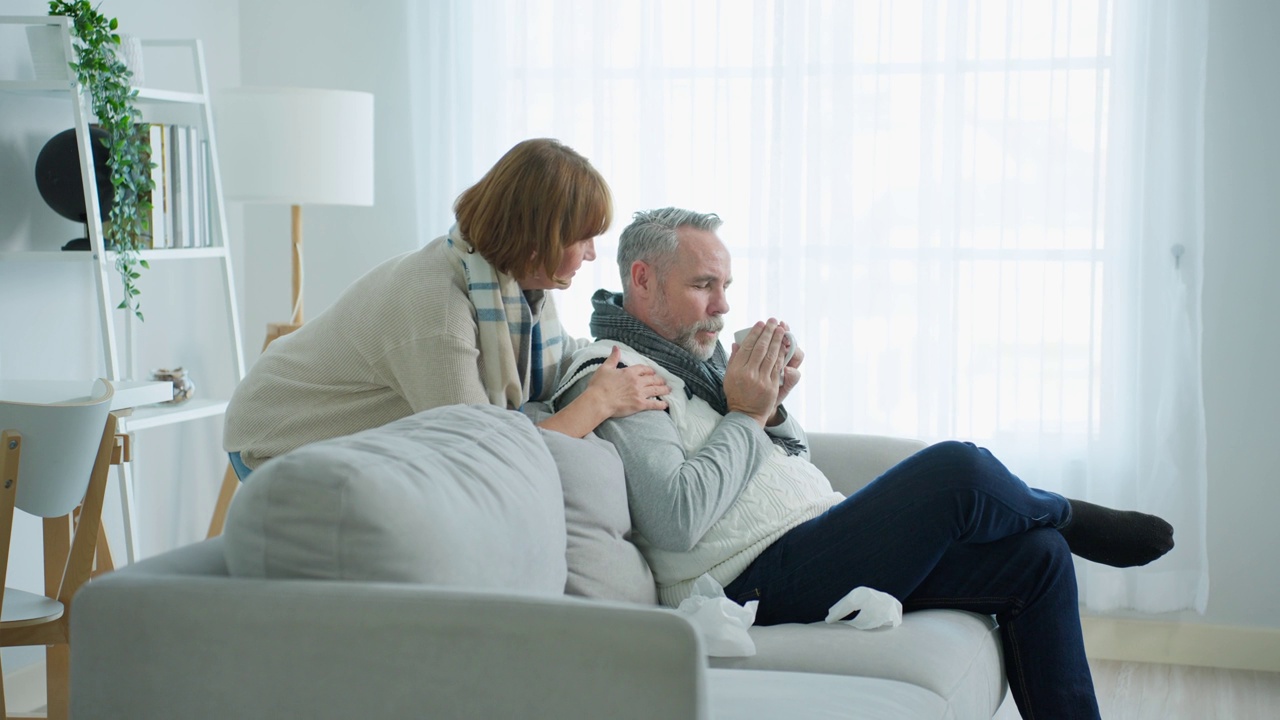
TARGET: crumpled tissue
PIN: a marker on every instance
(721, 622)
(875, 609)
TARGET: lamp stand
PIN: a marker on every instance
(275, 330)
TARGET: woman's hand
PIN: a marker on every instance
(625, 391)
(611, 392)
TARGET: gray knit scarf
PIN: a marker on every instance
(703, 378)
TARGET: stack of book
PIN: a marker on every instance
(180, 201)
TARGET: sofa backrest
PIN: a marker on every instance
(851, 461)
(464, 495)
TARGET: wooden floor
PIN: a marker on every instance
(1141, 691)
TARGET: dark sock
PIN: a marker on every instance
(1119, 538)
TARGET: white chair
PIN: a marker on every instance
(57, 443)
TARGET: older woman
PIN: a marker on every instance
(465, 319)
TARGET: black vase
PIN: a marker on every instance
(58, 179)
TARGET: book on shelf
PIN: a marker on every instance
(155, 230)
(180, 200)
(200, 234)
(180, 181)
(158, 218)
(195, 182)
(210, 203)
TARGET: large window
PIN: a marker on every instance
(954, 203)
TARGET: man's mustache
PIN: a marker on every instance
(714, 325)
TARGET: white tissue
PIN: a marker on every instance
(875, 609)
(721, 622)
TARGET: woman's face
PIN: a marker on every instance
(570, 260)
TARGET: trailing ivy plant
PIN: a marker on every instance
(107, 80)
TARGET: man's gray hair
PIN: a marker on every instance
(651, 238)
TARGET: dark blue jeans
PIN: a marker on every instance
(949, 527)
(242, 470)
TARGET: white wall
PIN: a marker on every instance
(1241, 296)
(345, 47)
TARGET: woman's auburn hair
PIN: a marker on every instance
(539, 198)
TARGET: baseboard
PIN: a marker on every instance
(24, 689)
(1220, 646)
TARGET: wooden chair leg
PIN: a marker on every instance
(102, 561)
(57, 549)
(230, 483)
(58, 680)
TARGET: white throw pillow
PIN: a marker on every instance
(602, 561)
(465, 495)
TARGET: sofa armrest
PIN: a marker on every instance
(154, 645)
(851, 461)
(205, 558)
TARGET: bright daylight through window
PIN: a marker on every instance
(966, 209)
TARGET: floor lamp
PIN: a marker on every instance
(293, 146)
(296, 146)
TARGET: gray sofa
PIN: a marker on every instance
(420, 570)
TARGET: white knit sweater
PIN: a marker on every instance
(786, 490)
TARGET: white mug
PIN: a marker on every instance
(741, 337)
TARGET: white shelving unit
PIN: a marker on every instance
(157, 106)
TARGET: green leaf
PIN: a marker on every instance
(107, 81)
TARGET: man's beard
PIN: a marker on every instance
(686, 337)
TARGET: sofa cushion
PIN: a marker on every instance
(465, 495)
(747, 694)
(953, 654)
(602, 562)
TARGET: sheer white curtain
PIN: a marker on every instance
(967, 210)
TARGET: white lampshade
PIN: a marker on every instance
(296, 146)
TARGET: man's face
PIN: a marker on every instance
(690, 297)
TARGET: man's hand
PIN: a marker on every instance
(751, 379)
(624, 391)
(791, 373)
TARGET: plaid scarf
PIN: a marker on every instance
(703, 378)
(515, 349)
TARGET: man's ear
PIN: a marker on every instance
(643, 279)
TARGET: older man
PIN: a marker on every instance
(720, 483)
